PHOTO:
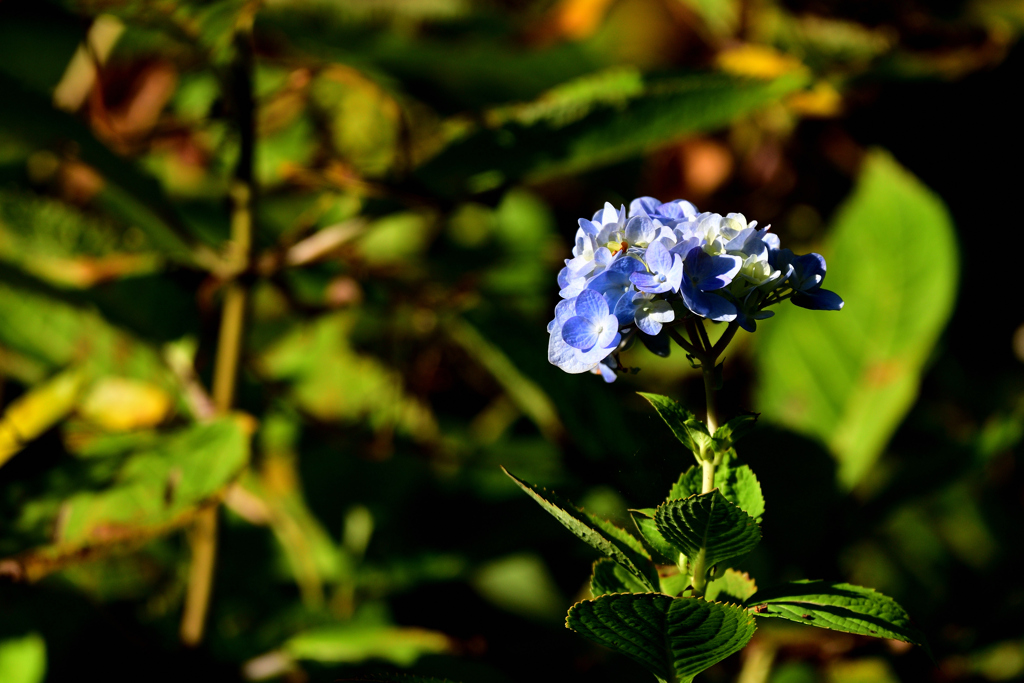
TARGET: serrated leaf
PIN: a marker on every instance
(674, 638)
(849, 377)
(611, 577)
(594, 121)
(732, 586)
(737, 484)
(708, 522)
(839, 607)
(608, 539)
(732, 431)
(644, 520)
(690, 431)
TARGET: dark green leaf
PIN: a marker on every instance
(674, 638)
(612, 577)
(644, 520)
(849, 377)
(593, 121)
(154, 491)
(708, 522)
(732, 586)
(610, 540)
(839, 607)
(133, 196)
(732, 431)
(692, 432)
(738, 484)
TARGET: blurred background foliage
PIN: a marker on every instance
(414, 170)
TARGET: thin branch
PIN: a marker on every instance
(203, 536)
(679, 339)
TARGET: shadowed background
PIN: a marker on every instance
(414, 171)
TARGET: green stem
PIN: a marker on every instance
(699, 581)
(703, 333)
(708, 361)
(203, 535)
(724, 340)
(679, 339)
(708, 476)
(708, 369)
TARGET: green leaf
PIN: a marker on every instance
(23, 660)
(738, 484)
(133, 196)
(593, 121)
(708, 522)
(731, 586)
(523, 585)
(849, 377)
(839, 607)
(644, 520)
(332, 381)
(153, 492)
(675, 638)
(732, 431)
(353, 643)
(607, 538)
(612, 577)
(59, 329)
(690, 431)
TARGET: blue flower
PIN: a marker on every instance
(614, 282)
(648, 312)
(808, 272)
(593, 326)
(641, 231)
(722, 268)
(664, 271)
(669, 213)
(703, 273)
(568, 358)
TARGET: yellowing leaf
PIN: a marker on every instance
(38, 410)
(757, 61)
(821, 101)
(118, 404)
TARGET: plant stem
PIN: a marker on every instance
(685, 345)
(708, 369)
(708, 478)
(724, 340)
(699, 581)
(203, 535)
(702, 332)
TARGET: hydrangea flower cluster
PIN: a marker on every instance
(636, 273)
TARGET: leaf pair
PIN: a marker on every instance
(693, 432)
(674, 638)
(707, 524)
